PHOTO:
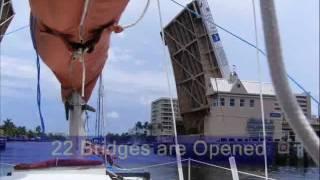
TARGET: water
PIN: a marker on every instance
(27, 152)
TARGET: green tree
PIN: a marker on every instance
(21, 131)
(9, 128)
(38, 130)
(30, 134)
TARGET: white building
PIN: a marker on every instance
(235, 109)
(161, 117)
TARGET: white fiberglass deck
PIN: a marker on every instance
(79, 173)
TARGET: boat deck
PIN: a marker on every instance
(74, 173)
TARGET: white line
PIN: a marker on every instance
(260, 93)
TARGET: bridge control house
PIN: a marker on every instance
(235, 109)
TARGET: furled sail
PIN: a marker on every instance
(73, 37)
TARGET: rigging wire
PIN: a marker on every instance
(166, 67)
(1, 65)
(140, 17)
(261, 91)
(102, 108)
(15, 30)
(99, 126)
(0, 81)
(253, 46)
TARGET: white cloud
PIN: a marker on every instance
(123, 74)
(122, 55)
(19, 75)
(113, 115)
(15, 67)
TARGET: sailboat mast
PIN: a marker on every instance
(76, 123)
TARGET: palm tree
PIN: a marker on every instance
(145, 125)
(139, 125)
(9, 128)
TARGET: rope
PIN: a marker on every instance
(83, 51)
(192, 160)
(177, 147)
(294, 114)
(140, 17)
(83, 16)
(83, 81)
(261, 89)
(228, 169)
(39, 93)
(251, 45)
(33, 37)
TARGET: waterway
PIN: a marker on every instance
(27, 152)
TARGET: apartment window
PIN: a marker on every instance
(302, 101)
(222, 102)
(251, 102)
(242, 102)
(231, 102)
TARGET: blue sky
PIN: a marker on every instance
(134, 74)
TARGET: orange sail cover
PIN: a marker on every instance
(56, 26)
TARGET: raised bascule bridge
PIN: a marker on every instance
(6, 16)
(197, 56)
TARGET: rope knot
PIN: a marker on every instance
(117, 28)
